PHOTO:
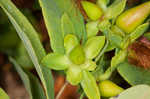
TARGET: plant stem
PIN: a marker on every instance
(82, 95)
(102, 52)
(61, 90)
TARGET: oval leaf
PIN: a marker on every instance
(136, 92)
(74, 75)
(89, 86)
(56, 61)
(92, 29)
(93, 46)
(115, 9)
(134, 75)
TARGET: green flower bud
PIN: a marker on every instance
(74, 75)
(77, 55)
(133, 17)
(92, 10)
(70, 41)
(109, 89)
(93, 46)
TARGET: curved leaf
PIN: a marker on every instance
(115, 9)
(74, 75)
(134, 75)
(93, 46)
(31, 83)
(66, 25)
(32, 44)
(136, 92)
(89, 86)
(138, 31)
(53, 11)
(56, 61)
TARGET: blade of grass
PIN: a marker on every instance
(32, 44)
(31, 83)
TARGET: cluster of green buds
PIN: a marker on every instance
(120, 29)
(77, 57)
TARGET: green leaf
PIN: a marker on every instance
(22, 57)
(91, 28)
(66, 25)
(134, 75)
(89, 86)
(56, 61)
(93, 46)
(3, 95)
(138, 31)
(103, 4)
(115, 9)
(74, 75)
(20, 21)
(32, 44)
(31, 83)
(136, 92)
(119, 58)
(115, 39)
(147, 35)
(53, 11)
(70, 41)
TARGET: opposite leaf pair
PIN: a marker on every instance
(77, 58)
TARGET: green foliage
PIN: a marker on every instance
(88, 82)
(74, 75)
(3, 95)
(136, 92)
(59, 14)
(93, 46)
(22, 57)
(92, 28)
(32, 43)
(115, 9)
(56, 61)
(134, 75)
(31, 83)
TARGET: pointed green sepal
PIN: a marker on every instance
(56, 61)
(93, 46)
